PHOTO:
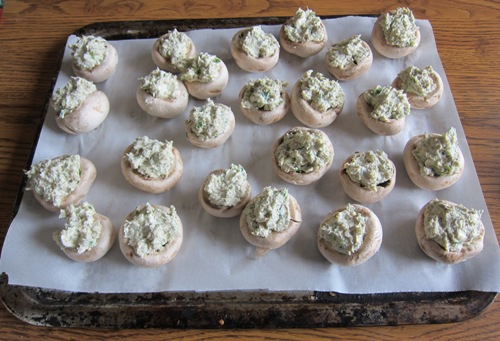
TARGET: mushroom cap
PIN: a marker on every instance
(87, 177)
(222, 211)
(103, 71)
(436, 252)
(365, 196)
(152, 185)
(392, 127)
(88, 116)
(265, 117)
(391, 51)
(422, 102)
(160, 107)
(354, 70)
(104, 243)
(309, 116)
(301, 179)
(430, 183)
(216, 141)
(165, 64)
(204, 90)
(371, 241)
(275, 239)
(305, 49)
(154, 260)
(250, 63)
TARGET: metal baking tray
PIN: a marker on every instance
(226, 309)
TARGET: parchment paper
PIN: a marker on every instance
(214, 255)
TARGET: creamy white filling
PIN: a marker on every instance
(388, 103)
(320, 92)
(305, 26)
(203, 67)
(344, 231)
(452, 226)
(55, 179)
(68, 98)
(81, 231)
(227, 188)
(303, 151)
(151, 158)
(258, 44)
(209, 121)
(160, 84)
(268, 212)
(150, 229)
(89, 52)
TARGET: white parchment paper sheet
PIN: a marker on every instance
(214, 255)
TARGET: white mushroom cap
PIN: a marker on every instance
(165, 64)
(309, 116)
(301, 179)
(422, 102)
(160, 107)
(392, 127)
(430, 183)
(250, 63)
(275, 239)
(265, 117)
(205, 90)
(152, 185)
(354, 71)
(218, 140)
(390, 51)
(361, 194)
(305, 49)
(88, 116)
(153, 260)
(104, 243)
(371, 241)
(87, 177)
(222, 211)
(103, 71)
(436, 252)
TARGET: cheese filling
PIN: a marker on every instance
(258, 44)
(227, 188)
(320, 92)
(452, 226)
(263, 94)
(151, 158)
(345, 230)
(68, 98)
(418, 81)
(55, 179)
(89, 52)
(370, 169)
(304, 26)
(303, 151)
(160, 84)
(388, 103)
(150, 229)
(438, 155)
(81, 231)
(399, 28)
(209, 121)
(203, 67)
(268, 212)
(348, 53)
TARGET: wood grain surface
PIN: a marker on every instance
(32, 33)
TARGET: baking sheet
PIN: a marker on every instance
(214, 256)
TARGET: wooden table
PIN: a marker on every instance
(33, 32)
